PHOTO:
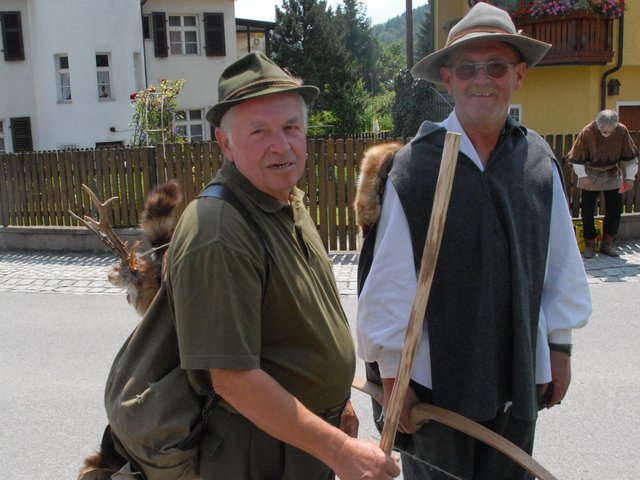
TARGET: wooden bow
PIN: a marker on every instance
(423, 412)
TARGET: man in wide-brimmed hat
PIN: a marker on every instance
(257, 311)
(509, 283)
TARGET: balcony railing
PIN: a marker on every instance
(579, 37)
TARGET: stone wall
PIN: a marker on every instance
(79, 239)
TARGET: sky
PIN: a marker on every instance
(379, 11)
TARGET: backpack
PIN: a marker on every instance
(156, 419)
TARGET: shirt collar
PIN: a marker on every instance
(452, 124)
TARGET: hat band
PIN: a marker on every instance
(479, 28)
(260, 85)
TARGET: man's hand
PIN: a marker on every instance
(585, 183)
(626, 186)
(560, 377)
(278, 413)
(349, 422)
(363, 459)
(404, 423)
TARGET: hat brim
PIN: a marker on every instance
(531, 50)
(215, 113)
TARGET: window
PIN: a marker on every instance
(183, 35)
(214, 34)
(249, 40)
(146, 27)
(12, 36)
(515, 112)
(189, 124)
(63, 79)
(3, 149)
(104, 76)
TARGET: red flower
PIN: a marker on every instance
(133, 96)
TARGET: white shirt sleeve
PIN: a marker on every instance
(566, 300)
(630, 169)
(385, 302)
(580, 170)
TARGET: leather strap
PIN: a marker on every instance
(423, 412)
(225, 194)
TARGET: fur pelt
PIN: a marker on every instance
(158, 221)
(374, 170)
(103, 462)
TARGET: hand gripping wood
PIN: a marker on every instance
(423, 412)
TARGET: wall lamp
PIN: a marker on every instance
(613, 87)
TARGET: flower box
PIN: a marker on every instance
(578, 37)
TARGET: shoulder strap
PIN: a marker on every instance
(227, 195)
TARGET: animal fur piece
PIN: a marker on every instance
(374, 170)
(141, 274)
(94, 468)
(104, 461)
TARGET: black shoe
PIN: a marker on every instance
(608, 248)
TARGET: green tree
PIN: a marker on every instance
(349, 105)
(311, 44)
(155, 111)
(380, 109)
(311, 41)
(415, 102)
(360, 41)
(424, 42)
(391, 61)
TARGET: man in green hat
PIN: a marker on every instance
(271, 338)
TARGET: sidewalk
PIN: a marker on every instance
(50, 272)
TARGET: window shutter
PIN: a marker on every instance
(214, 34)
(12, 36)
(160, 44)
(21, 134)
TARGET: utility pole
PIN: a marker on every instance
(409, 40)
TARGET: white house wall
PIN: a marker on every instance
(78, 29)
(17, 97)
(200, 72)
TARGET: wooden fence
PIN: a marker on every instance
(40, 188)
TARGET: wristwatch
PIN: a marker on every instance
(561, 347)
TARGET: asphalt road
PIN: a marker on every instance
(56, 350)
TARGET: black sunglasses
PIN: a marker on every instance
(467, 71)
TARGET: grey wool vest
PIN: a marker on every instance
(483, 310)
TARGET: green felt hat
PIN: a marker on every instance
(252, 76)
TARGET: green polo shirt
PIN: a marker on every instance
(298, 333)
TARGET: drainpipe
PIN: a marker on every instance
(144, 53)
(603, 83)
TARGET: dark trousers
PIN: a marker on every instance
(437, 452)
(233, 448)
(613, 204)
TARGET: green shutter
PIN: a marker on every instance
(12, 36)
(21, 134)
(160, 44)
(214, 34)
